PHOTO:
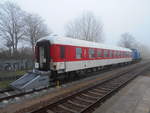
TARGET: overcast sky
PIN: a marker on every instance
(117, 16)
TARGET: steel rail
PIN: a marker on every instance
(67, 105)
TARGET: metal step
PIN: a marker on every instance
(30, 81)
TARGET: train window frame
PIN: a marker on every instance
(130, 54)
(105, 53)
(122, 54)
(78, 53)
(118, 53)
(91, 53)
(114, 54)
(62, 52)
(126, 54)
(99, 53)
(110, 53)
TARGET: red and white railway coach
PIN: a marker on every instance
(62, 54)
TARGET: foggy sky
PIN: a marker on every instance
(117, 16)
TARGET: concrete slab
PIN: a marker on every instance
(133, 98)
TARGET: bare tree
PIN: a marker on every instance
(35, 29)
(8, 44)
(11, 25)
(86, 27)
(145, 51)
(128, 41)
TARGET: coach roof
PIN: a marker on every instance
(81, 43)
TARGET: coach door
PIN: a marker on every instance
(44, 55)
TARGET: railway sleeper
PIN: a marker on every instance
(96, 93)
(49, 111)
(93, 94)
(89, 96)
(85, 100)
(77, 104)
(100, 91)
(60, 109)
(110, 87)
(67, 109)
(72, 106)
(104, 89)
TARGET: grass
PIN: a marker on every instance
(12, 73)
(4, 84)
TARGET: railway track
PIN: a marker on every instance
(6, 90)
(87, 99)
(10, 94)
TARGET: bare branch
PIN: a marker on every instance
(35, 28)
(128, 41)
(11, 25)
(86, 27)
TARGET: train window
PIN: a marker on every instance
(126, 54)
(129, 54)
(62, 52)
(78, 53)
(105, 53)
(122, 54)
(99, 53)
(118, 53)
(114, 54)
(109, 53)
(91, 53)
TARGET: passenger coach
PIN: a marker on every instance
(62, 54)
